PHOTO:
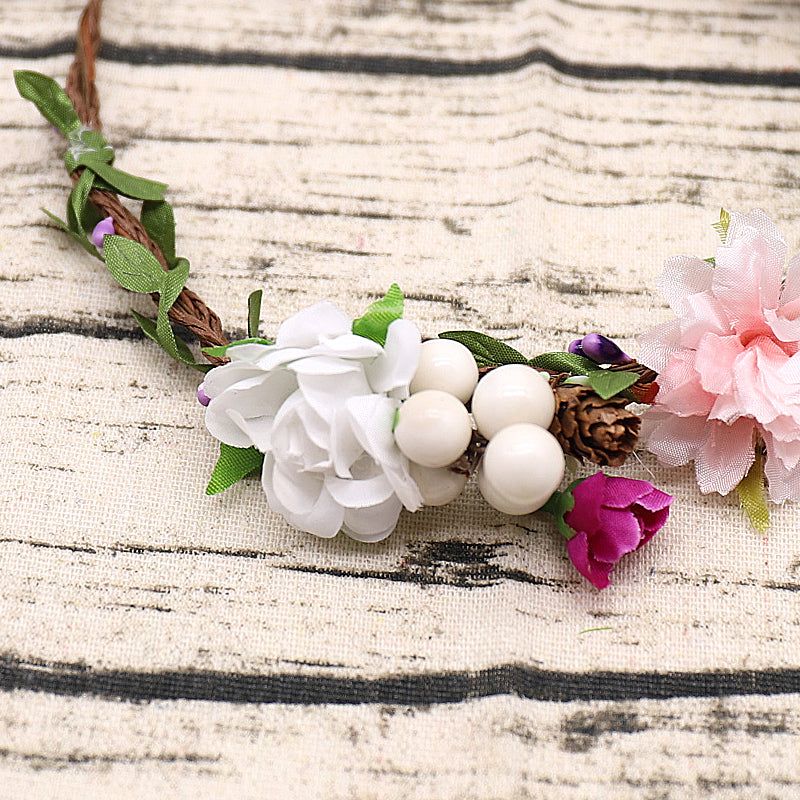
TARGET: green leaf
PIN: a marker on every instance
(752, 495)
(220, 350)
(254, 312)
(51, 100)
(83, 241)
(608, 382)
(159, 222)
(377, 318)
(148, 326)
(133, 265)
(565, 362)
(78, 202)
(488, 351)
(721, 227)
(123, 182)
(234, 464)
(84, 141)
(174, 281)
(712, 261)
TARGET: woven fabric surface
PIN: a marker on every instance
(519, 168)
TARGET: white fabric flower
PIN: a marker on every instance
(320, 404)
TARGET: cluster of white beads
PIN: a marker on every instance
(512, 406)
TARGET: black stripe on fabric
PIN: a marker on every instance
(407, 690)
(155, 55)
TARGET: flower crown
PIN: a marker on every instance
(348, 422)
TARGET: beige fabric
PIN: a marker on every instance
(531, 204)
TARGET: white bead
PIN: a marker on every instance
(438, 486)
(433, 428)
(446, 365)
(522, 466)
(510, 394)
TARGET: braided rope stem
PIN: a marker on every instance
(188, 310)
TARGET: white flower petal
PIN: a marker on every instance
(223, 426)
(345, 447)
(221, 378)
(258, 429)
(323, 365)
(349, 346)
(326, 393)
(247, 353)
(394, 368)
(279, 357)
(359, 493)
(309, 326)
(374, 523)
(297, 491)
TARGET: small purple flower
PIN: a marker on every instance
(202, 397)
(601, 349)
(575, 347)
(612, 517)
(103, 228)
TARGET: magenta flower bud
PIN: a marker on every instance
(612, 517)
(602, 350)
(103, 228)
(202, 397)
(575, 347)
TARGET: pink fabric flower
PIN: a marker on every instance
(612, 517)
(729, 364)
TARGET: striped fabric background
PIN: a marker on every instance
(520, 167)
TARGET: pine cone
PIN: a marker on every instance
(588, 427)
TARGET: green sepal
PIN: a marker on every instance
(377, 318)
(752, 495)
(607, 382)
(487, 351)
(712, 261)
(254, 312)
(564, 362)
(83, 241)
(559, 504)
(159, 222)
(123, 182)
(173, 281)
(149, 329)
(220, 350)
(721, 227)
(133, 265)
(234, 463)
(51, 100)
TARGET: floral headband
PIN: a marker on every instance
(348, 422)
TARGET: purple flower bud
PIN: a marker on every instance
(103, 228)
(602, 350)
(575, 347)
(202, 397)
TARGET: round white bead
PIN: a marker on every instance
(446, 365)
(522, 466)
(433, 428)
(438, 486)
(510, 394)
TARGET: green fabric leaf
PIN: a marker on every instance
(721, 227)
(51, 100)
(220, 350)
(254, 312)
(174, 281)
(78, 202)
(159, 222)
(752, 495)
(565, 362)
(712, 261)
(234, 464)
(148, 326)
(86, 142)
(83, 241)
(608, 382)
(133, 265)
(377, 318)
(123, 182)
(487, 351)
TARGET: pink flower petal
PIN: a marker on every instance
(620, 533)
(725, 456)
(684, 276)
(677, 440)
(588, 494)
(591, 569)
(624, 492)
(714, 361)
